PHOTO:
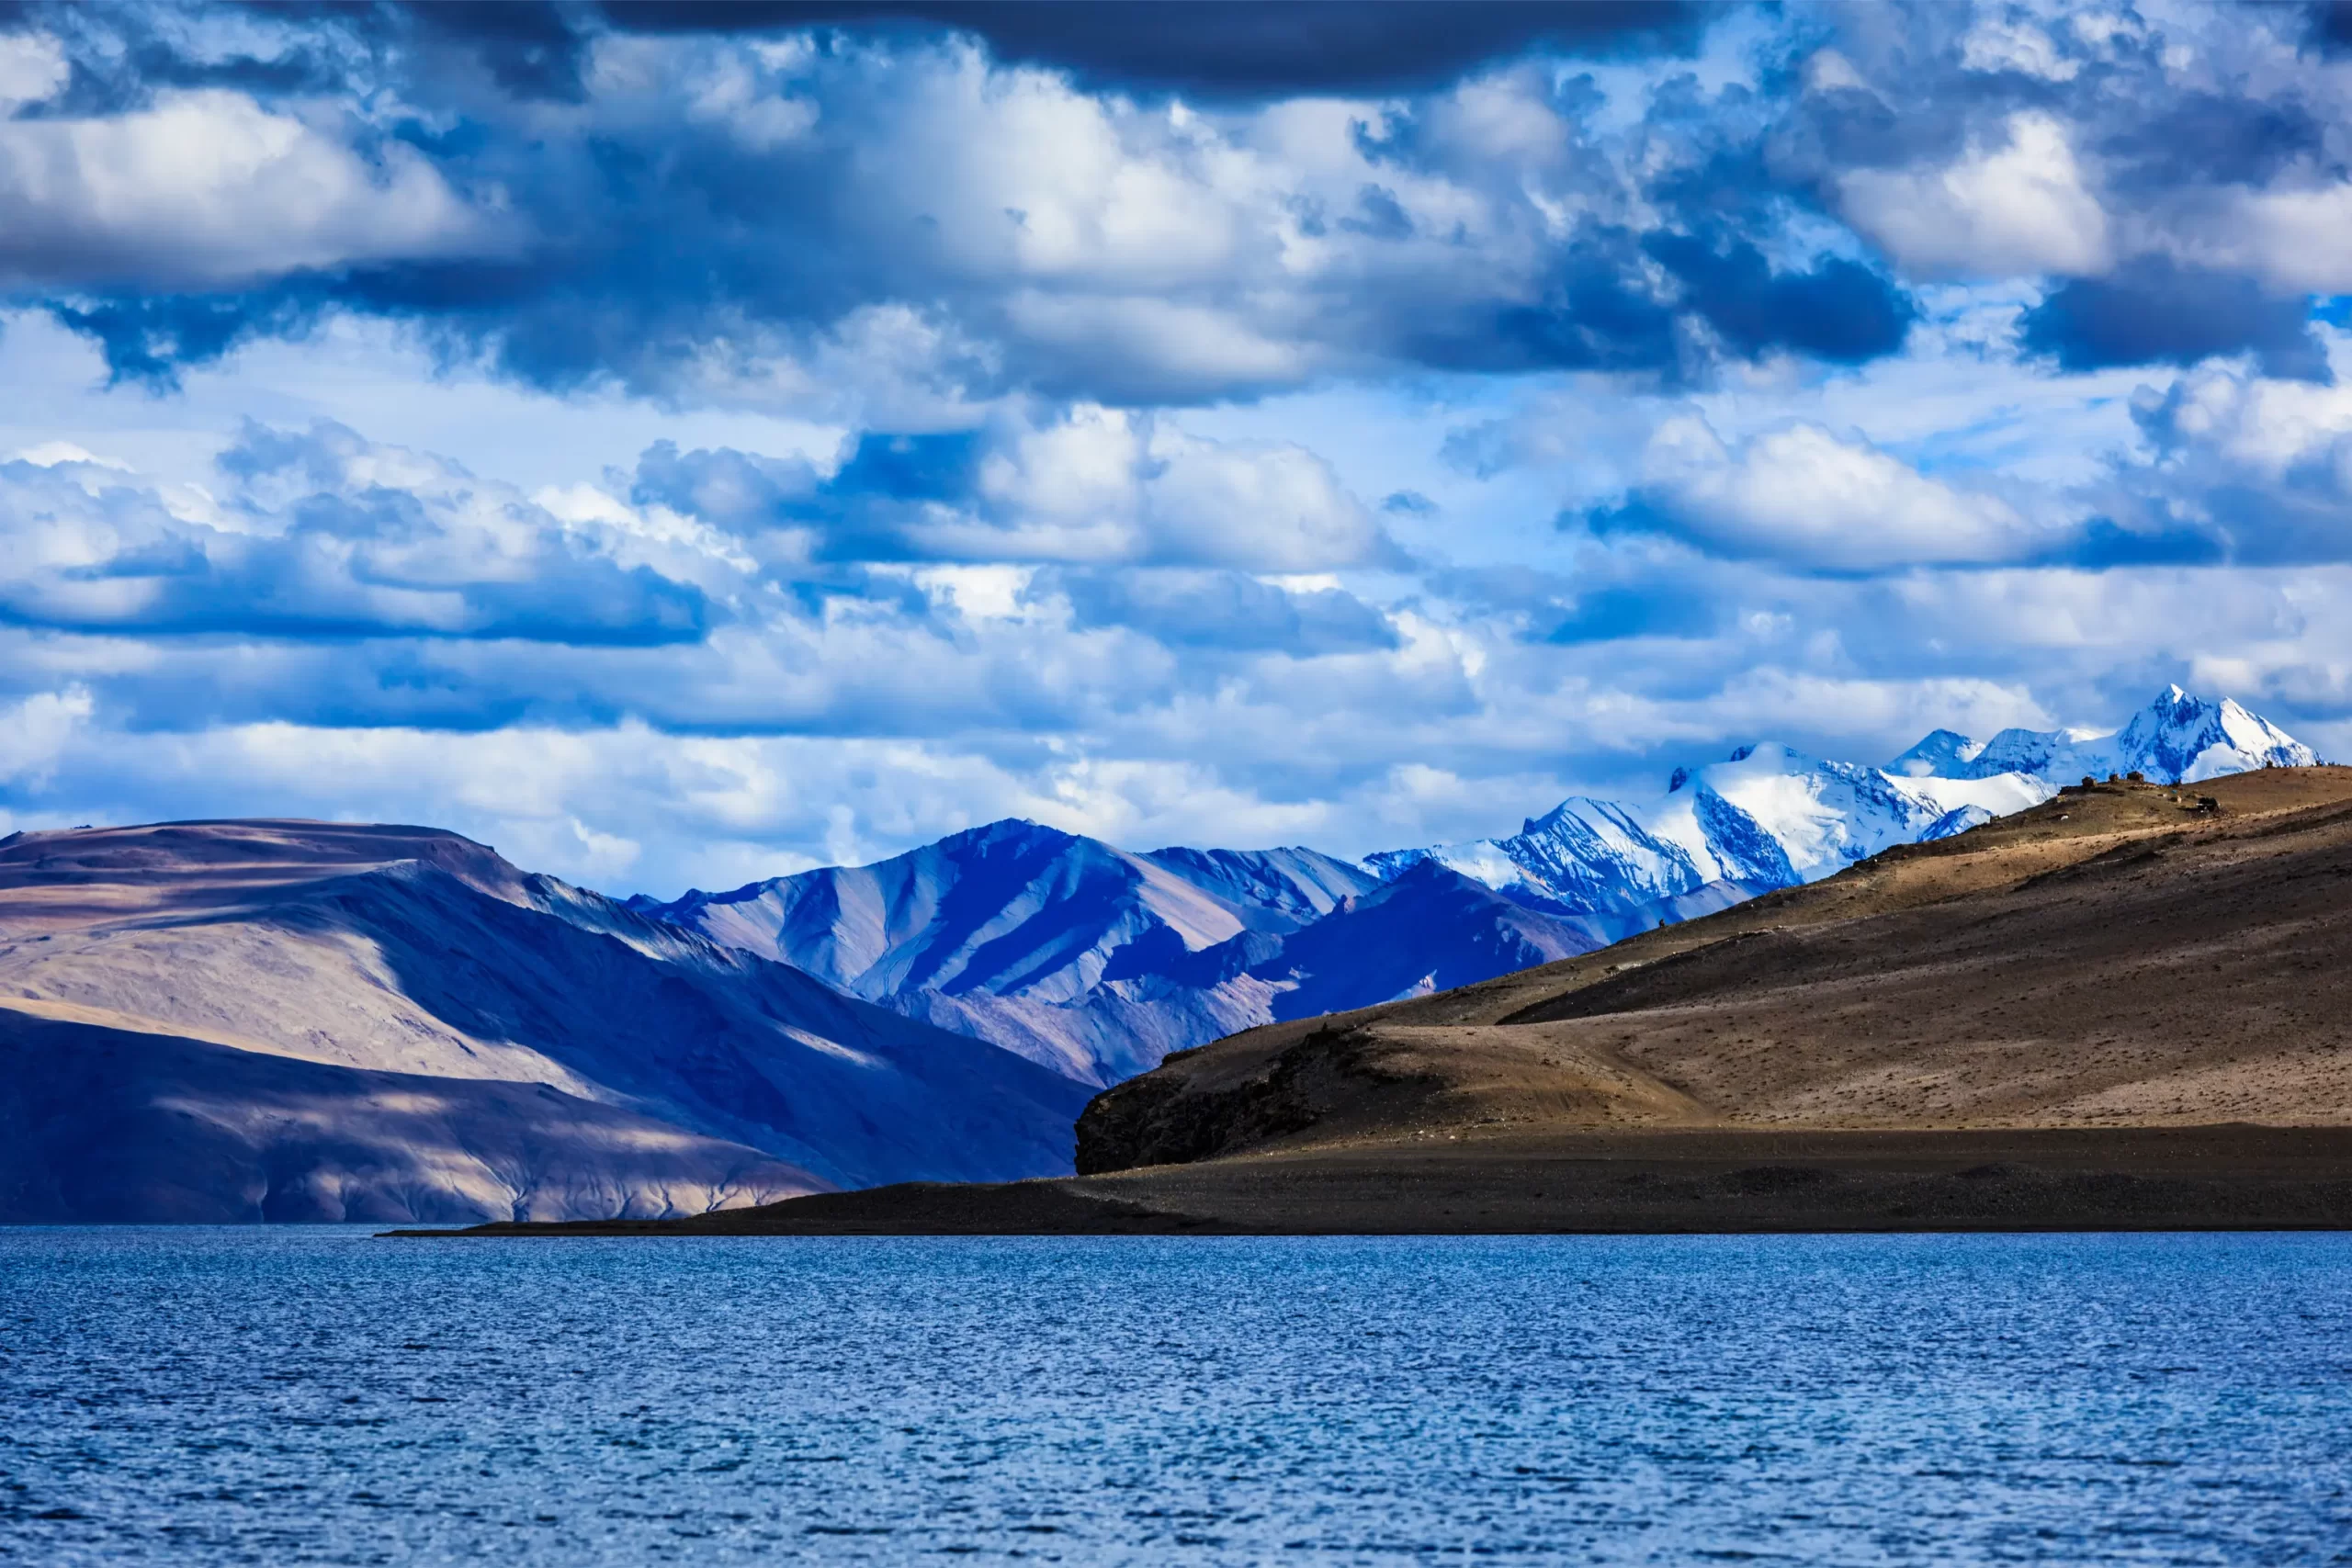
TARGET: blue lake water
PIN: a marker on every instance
(214, 1396)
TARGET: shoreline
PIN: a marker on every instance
(1685, 1181)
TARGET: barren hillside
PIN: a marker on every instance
(2120, 957)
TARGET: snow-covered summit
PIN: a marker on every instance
(1767, 816)
(2176, 738)
(1770, 815)
(2180, 739)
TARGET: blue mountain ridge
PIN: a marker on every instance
(1097, 961)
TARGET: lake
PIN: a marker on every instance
(273, 1396)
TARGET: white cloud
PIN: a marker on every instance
(1100, 485)
(36, 731)
(2015, 45)
(209, 188)
(2025, 205)
(2292, 233)
(1802, 495)
(32, 67)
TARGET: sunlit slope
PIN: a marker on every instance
(2115, 957)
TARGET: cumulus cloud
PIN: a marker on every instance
(2258, 470)
(35, 732)
(1081, 485)
(1807, 497)
(32, 68)
(320, 578)
(209, 188)
(2020, 205)
(1051, 234)
(322, 535)
(1113, 211)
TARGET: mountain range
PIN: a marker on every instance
(236, 1021)
(2127, 1009)
(261, 1019)
(1097, 963)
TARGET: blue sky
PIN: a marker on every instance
(684, 444)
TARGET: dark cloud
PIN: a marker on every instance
(1598, 314)
(2190, 136)
(1227, 48)
(1227, 610)
(2330, 25)
(149, 340)
(529, 47)
(1838, 310)
(113, 81)
(2155, 312)
(1603, 313)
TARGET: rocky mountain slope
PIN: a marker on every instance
(297, 1020)
(1096, 962)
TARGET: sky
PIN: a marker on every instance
(681, 444)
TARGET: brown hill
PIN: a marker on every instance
(2118, 957)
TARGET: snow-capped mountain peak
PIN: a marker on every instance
(1770, 815)
(2180, 739)
(1942, 753)
(1766, 817)
(2176, 738)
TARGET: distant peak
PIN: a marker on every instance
(1744, 753)
(1010, 828)
(1681, 776)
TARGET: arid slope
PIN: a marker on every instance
(2114, 958)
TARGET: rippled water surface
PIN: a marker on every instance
(277, 1396)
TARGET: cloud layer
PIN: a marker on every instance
(894, 415)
